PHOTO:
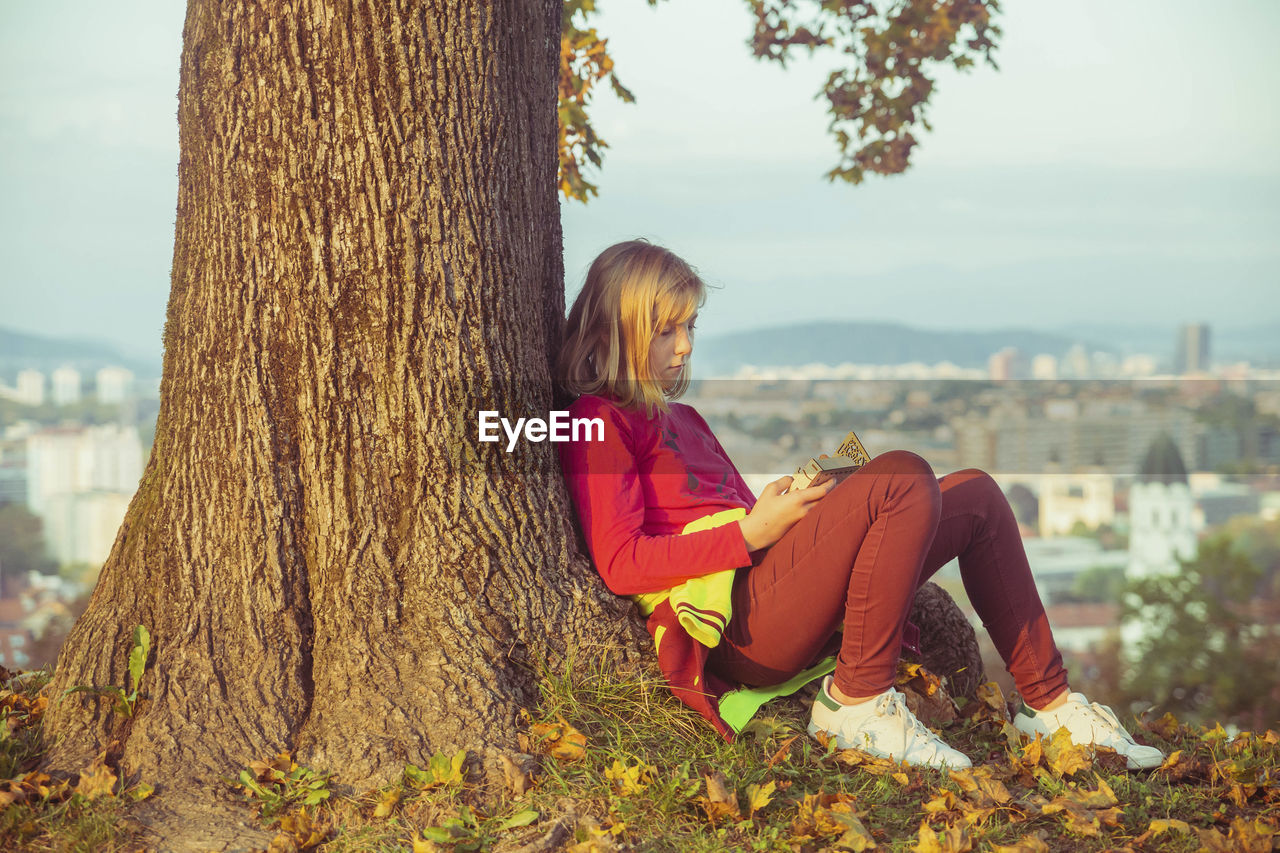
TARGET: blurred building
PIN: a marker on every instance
(66, 386)
(113, 385)
(1162, 529)
(13, 471)
(1111, 438)
(1087, 498)
(79, 482)
(1007, 364)
(82, 527)
(31, 387)
(1191, 349)
(1044, 366)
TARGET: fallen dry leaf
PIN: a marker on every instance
(759, 796)
(946, 801)
(952, 839)
(1180, 767)
(720, 802)
(1167, 727)
(1160, 826)
(630, 779)
(298, 832)
(783, 751)
(1064, 758)
(1025, 844)
(1252, 836)
(867, 762)
(813, 809)
(97, 780)
(981, 787)
(561, 740)
(387, 803)
(991, 701)
(519, 775)
(1099, 798)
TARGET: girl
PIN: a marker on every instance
(752, 591)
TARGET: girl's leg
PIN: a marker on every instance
(977, 525)
(855, 559)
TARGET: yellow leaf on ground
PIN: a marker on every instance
(561, 740)
(300, 829)
(140, 791)
(866, 762)
(387, 803)
(720, 802)
(1080, 821)
(1064, 758)
(813, 809)
(1166, 727)
(1100, 798)
(1172, 824)
(856, 837)
(630, 779)
(981, 787)
(952, 839)
(927, 840)
(1214, 842)
(1025, 844)
(944, 802)
(759, 796)
(1252, 836)
(97, 780)
(423, 845)
(992, 699)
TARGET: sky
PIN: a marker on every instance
(1123, 164)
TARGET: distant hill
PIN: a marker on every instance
(22, 350)
(873, 343)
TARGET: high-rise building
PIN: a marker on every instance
(66, 386)
(31, 387)
(1044, 366)
(1191, 349)
(1006, 364)
(114, 384)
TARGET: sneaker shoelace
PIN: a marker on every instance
(892, 705)
(1105, 715)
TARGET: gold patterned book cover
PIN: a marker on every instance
(849, 457)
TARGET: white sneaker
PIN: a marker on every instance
(1089, 724)
(883, 727)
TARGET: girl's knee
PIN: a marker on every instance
(910, 473)
(904, 462)
(980, 491)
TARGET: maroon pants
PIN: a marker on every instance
(859, 556)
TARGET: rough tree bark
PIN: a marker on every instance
(367, 252)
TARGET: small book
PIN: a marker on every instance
(849, 457)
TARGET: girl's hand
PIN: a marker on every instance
(775, 513)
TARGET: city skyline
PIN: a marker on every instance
(1074, 184)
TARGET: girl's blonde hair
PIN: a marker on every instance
(633, 291)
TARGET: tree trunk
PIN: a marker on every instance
(367, 253)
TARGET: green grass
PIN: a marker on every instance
(638, 779)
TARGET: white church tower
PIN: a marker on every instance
(1161, 526)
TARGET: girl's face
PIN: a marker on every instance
(670, 350)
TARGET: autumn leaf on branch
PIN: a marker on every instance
(876, 102)
(892, 50)
(584, 63)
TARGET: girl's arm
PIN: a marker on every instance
(603, 479)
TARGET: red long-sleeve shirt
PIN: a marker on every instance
(637, 489)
